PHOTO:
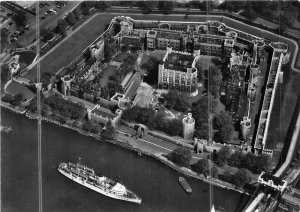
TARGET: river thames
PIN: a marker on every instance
(154, 182)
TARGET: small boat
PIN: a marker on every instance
(185, 185)
(5, 129)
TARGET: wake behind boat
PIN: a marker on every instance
(101, 184)
(5, 129)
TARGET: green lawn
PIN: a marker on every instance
(26, 58)
(15, 88)
(72, 47)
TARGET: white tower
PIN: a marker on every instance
(188, 127)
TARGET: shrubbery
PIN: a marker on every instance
(180, 156)
(152, 120)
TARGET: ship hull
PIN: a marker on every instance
(101, 191)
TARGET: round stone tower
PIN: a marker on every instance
(188, 124)
(245, 127)
(196, 51)
(255, 70)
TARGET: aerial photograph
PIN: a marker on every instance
(150, 106)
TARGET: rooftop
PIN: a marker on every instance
(188, 120)
(279, 45)
(210, 40)
(178, 61)
(276, 180)
(132, 88)
(130, 40)
(168, 35)
(104, 112)
(144, 24)
(179, 26)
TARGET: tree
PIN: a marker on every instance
(165, 6)
(215, 79)
(241, 177)
(18, 98)
(223, 155)
(32, 105)
(235, 159)
(182, 103)
(5, 74)
(48, 35)
(291, 13)
(77, 13)
(71, 19)
(223, 123)
(174, 127)
(179, 102)
(20, 19)
(116, 28)
(46, 110)
(4, 36)
(202, 132)
(217, 106)
(161, 123)
(214, 171)
(101, 5)
(249, 161)
(262, 163)
(109, 131)
(61, 26)
(180, 156)
(125, 48)
(152, 70)
(151, 121)
(86, 6)
(202, 166)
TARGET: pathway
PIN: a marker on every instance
(149, 143)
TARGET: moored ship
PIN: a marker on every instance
(101, 184)
(185, 185)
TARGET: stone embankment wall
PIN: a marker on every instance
(159, 157)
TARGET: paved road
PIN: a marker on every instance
(49, 21)
(282, 169)
(150, 143)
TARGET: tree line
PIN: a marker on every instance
(245, 162)
(72, 18)
(153, 120)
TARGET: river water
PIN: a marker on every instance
(154, 182)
